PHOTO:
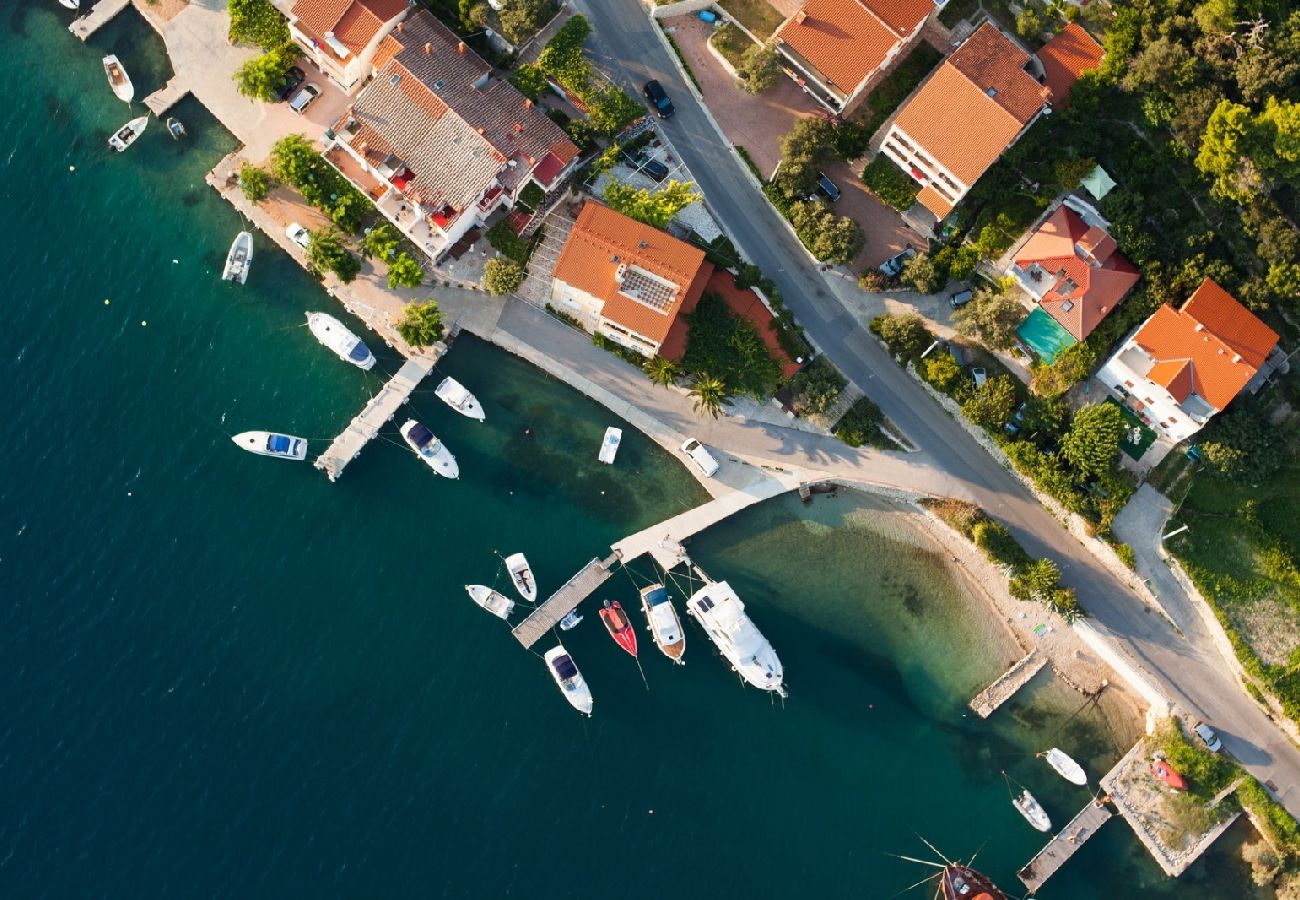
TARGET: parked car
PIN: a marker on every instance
(701, 457)
(304, 97)
(654, 168)
(979, 375)
(891, 267)
(827, 188)
(299, 235)
(1208, 737)
(961, 298)
(658, 97)
(292, 79)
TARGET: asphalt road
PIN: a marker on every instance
(1190, 670)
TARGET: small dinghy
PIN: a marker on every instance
(618, 626)
(665, 627)
(453, 393)
(175, 128)
(70, 4)
(1033, 811)
(566, 675)
(433, 451)
(346, 345)
(497, 604)
(571, 621)
(1168, 774)
(239, 259)
(609, 445)
(1067, 768)
(522, 576)
(118, 80)
(126, 135)
(270, 443)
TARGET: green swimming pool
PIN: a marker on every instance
(1044, 335)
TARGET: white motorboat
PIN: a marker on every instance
(665, 627)
(271, 443)
(70, 4)
(717, 608)
(522, 576)
(609, 445)
(126, 135)
(497, 604)
(566, 675)
(453, 393)
(239, 259)
(175, 128)
(1066, 767)
(571, 621)
(433, 451)
(1032, 810)
(118, 80)
(346, 345)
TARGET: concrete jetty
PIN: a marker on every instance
(167, 96)
(1067, 842)
(565, 600)
(1012, 680)
(100, 14)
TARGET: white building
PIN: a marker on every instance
(342, 36)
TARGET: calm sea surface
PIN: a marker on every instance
(224, 676)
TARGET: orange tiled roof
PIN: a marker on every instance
(602, 240)
(996, 65)
(1070, 53)
(1212, 347)
(934, 201)
(846, 41)
(354, 23)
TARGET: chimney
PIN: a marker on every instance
(479, 129)
(428, 49)
(460, 48)
(528, 104)
(401, 26)
(1200, 327)
(1236, 357)
(519, 128)
(801, 17)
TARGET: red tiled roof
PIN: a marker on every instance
(548, 168)
(354, 23)
(846, 41)
(1070, 53)
(1235, 325)
(996, 65)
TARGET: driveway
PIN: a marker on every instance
(885, 230)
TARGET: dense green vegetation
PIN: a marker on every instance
(254, 181)
(257, 22)
(655, 208)
(759, 68)
(891, 184)
(609, 108)
(728, 347)
(421, 324)
(517, 20)
(404, 271)
(816, 387)
(327, 252)
(296, 162)
(502, 276)
(262, 76)
(862, 426)
(510, 245)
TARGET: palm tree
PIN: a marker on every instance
(709, 394)
(661, 371)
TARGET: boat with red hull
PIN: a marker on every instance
(1169, 775)
(618, 626)
(964, 883)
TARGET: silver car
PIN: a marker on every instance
(304, 97)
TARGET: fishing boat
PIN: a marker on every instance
(1168, 774)
(271, 443)
(118, 80)
(1066, 767)
(427, 446)
(566, 675)
(126, 135)
(619, 626)
(497, 604)
(346, 345)
(1032, 810)
(175, 128)
(964, 883)
(571, 621)
(239, 259)
(722, 615)
(609, 445)
(522, 576)
(665, 627)
(453, 393)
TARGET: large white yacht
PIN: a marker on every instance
(433, 451)
(717, 608)
(335, 335)
(566, 675)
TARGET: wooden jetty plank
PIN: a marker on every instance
(1067, 842)
(565, 600)
(1012, 680)
(100, 14)
(167, 96)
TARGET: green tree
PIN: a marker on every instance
(326, 252)
(254, 182)
(759, 68)
(1071, 365)
(421, 324)
(905, 335)
(654, 208)
(802, 149)
(661, 371)
(257, 22)
(404, 272)
(709, 394)
(1231, 139)
(830, 238)
(992, 404)
(521, 19)
(382, 241)
(1279, 129)
(262, 76)
(1093, 439)
(1029, 24)
(1241, 446)
(921, 274)
(991, 316)
(942, 371)
(502, 276)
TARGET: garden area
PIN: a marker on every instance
(891, 184)
(758, 16)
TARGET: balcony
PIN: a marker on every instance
(413, 223)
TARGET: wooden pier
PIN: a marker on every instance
(167, 96)
(379, 410)
(1012, 680)
(565, 600)
(100, 14)
(1066, 843)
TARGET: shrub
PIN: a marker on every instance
(1092, 442)
(502, 276)
(922, 274)
(608, 107)
(1126, 555)
(802, 149)
(295, 161)
(861, 425)
(830, 238)
(759, 69)
(502, 237)
(905, 335)
(655, 208)
(382, 241)
(991, 405)
(255, 182)
(725, 346)
(1242, 447)
(532, 196)
(872, 281)
(404, 271)
(942, 371)
(521, 19)
(530, 81)
(991, 316)
(327, 253)
(816, 388)
(421, 324)
(257, 22)
(891, 184)
(262, 76)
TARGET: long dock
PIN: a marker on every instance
(377, 412)
(1066, 843)
(167, 96)
(1012, 680)
(565, 600)
(100, 14)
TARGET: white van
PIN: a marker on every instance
(701, 457)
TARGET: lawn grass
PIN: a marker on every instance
(1133, 449)
(886, 96)
(732, 43)
(759, 16)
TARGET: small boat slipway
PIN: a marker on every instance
(118, 80)
(126, 135)
(454, 394)
(346, 346)
(521, 575)
(570, 680)
(270, 443)
(239, 259)
(500, 606)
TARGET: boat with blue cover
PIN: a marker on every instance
(665, 626)
(566, 675)
(271, 443)
(336, 336)
(433, 451)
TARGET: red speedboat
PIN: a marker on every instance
(618, 626)
(964, 883)
(1169, 775)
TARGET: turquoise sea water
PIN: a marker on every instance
(224, 676)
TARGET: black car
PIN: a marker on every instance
(827, 188)
(961, 298)
(292, 79)
(654, 92)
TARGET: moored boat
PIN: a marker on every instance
(1168, 774)
(175, 128)
(126, 135)
(454, 394)
(571, 621)
(722, 614)
(427, 446)
(70, 4)
(239, 258)
(665, 626)
(619, 626)
(964, 883)
(118, 80)
(609, 445)
(271, 443)
(1032, 810)
(521, 575)
(495, 603)
(335, 335)
(1066, 767)
(566, 675)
